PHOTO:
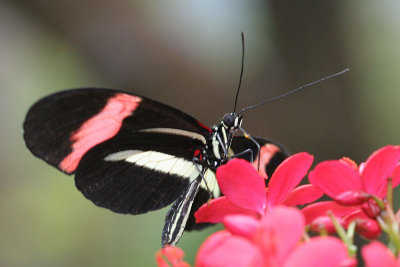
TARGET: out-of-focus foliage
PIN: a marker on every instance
(186, 54)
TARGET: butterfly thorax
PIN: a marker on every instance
(219, 141)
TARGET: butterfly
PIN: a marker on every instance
(132, 155)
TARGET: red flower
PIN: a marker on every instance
(244, 189)
(170, 256)
(354, 187)
(271, 241)
(340, 179)
(377, 255)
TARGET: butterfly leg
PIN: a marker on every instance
(255, 142)
(178, 214)
(223, 144)
(244, 152)
(198, 162)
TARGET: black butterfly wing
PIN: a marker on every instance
(87, 132)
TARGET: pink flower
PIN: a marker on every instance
(271, 241)
(354, 187)
(342, 181)
(245, 193)
(170, 256)
(376, 255)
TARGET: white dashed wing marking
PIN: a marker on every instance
(168, 164)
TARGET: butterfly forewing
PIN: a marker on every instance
(62, 127)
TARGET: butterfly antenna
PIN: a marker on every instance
(241, 74)
(295, 90)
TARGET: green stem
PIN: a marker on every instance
(388, 223)
(389, 195)
(351, 248)
(379, 202)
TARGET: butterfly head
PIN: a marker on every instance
(232, 121)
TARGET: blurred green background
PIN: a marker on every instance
(186, 54)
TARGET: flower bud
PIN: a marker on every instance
(368, 228)
(350, 198)
(324, 223)
(371, 209)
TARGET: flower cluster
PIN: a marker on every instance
(264, 228)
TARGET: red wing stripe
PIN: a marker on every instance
(267, 152)
(205, 127)
(99, 128)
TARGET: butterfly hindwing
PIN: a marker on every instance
(138, 173)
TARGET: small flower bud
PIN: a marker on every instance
(368, 228)
(350, 198)
(324, 223)
(371, 209)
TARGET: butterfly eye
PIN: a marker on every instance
(229, 120)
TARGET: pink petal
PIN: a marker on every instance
(376, 254)
(378, 167)
(301, 195)
(242, 185)
(280, 231)
(170, 256)
(334, 177)
(287, 176)
(216, 210)
(349, 162)
(242, 225)
(223, 249)
(319, 251)
(313, 211)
